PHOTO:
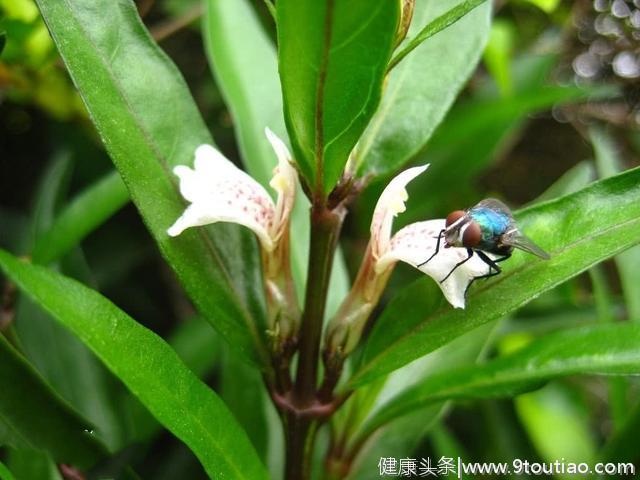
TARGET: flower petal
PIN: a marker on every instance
(284, 182)
(415, 243)
(221, 192)
(390, 203)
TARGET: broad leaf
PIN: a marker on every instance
(332, 60)
(148, 123)
(422, 87)
(147, 366)
(244, 62)
(599, 349)
(578, 230)
(33, 416)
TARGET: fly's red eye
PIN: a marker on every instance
(454, 217)
(472, 235)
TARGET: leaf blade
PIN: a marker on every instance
(147, 366)
(598, 349)
(33, 412)
(145, 138)
(332, 60)
(415, 101)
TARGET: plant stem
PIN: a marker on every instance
(325, 228)
(301, 422)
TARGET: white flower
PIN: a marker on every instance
(415, 243)
(221, 192)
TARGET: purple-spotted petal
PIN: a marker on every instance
(221, 192)
(415, 243)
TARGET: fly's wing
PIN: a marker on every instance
(495, 205)
(517, 239)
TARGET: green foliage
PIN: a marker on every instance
(332, 60)
(80, 217)
(588, 226)
(422, 88)
(56, 428)
(602, 349)
(84, 384)
(244, 62)
(147, 366)
(145, 138)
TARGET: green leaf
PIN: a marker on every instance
(33, 416)
(435, 26)
(498, 53)
(599, 349)
(147, 366)
(474, 134)
(558, 425)
(149, 123)
(27, 464)
(5, 474)
(578, 230)
(608, 162)
(332, 60)
(621, 446)
(81, 216)
(402, 435)
(244, 62)
(421, 89)
(577, 177)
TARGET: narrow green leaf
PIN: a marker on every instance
(498, 55)
(435, 26)
(332, 60)
(33, 416)
(147, 366)
(577, 177)
(598, 349)
(608, 162)
(579, 230)
(80, 217)
(421, 89)
(557, 422)
(149, 123)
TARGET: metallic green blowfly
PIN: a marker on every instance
(488, 227)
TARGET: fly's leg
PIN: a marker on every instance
(437, 249)
(470, 254)
(493, 265)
